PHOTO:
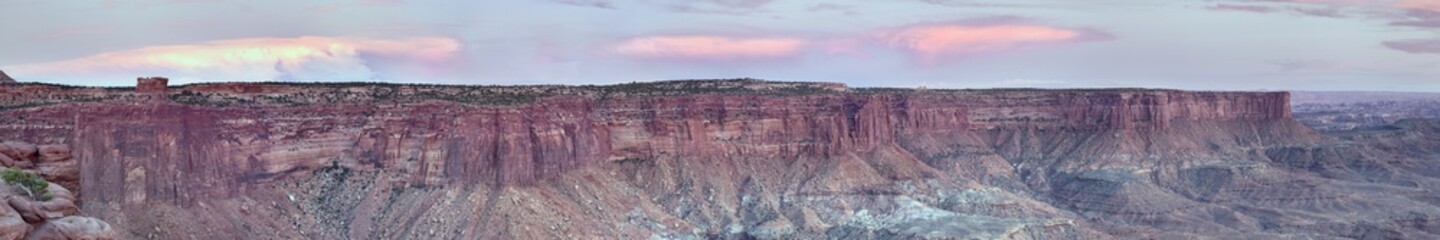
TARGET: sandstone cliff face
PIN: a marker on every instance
(720, 159)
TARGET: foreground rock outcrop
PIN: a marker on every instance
(27, 215)
(714, 159)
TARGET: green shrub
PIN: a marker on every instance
(33, 184)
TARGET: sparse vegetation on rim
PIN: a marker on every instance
(370, 92)
(35, 186)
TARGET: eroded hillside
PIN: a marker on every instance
(718, 159)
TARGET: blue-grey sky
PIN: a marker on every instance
(1189, 44)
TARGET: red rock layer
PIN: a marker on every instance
(226, 141)
(206, 149)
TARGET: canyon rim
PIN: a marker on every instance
(711, 159)
(720, 119)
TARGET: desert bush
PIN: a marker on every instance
(34, 185)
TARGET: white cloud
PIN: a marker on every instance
(307, 58)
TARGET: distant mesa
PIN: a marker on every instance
(6, 78)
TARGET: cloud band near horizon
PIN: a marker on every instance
(1198, 44)
(929, 43)
(307, 58)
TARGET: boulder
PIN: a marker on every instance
(12, 226)
(26, 208)
(19, 151)
(61, 203)
(54, 153)
(56, 164)
(6, 161)
(56, 218)
(74, 227)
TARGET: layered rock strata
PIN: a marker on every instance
(712, 159)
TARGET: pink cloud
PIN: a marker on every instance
(310, 58)
(1331, 2)
(1417, 13)
(337, 5)
(970, 4)
(738, 3)
(725, 7)
(1316, 8)
(1426, 5)
(606, 4)
(1333, 8)
(710, 48)
(1241, 8)
(381, 2)
(843, 46)
(1421, 14)
(931, 42)
(1416, 46)
(822, 7)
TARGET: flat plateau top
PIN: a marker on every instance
(684, 86)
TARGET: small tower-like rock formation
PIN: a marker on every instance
(5, 79)
(152, 85)
(155, 87)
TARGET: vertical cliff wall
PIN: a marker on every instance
(760, 157)
(139, 152)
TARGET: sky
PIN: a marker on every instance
(1384, 45)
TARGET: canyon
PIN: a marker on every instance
(1360, 111)
(718, 159)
